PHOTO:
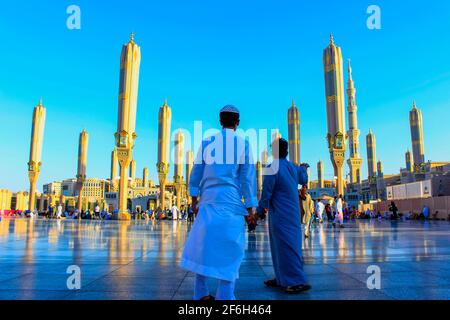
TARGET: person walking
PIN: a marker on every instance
(307, 208)
(320, 207)
(223, 175)
(339, 218)
(281, 203)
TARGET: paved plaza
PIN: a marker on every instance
(138, 260)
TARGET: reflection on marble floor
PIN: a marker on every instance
(138, 260)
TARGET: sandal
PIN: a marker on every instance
(298, 289)
(271, 283)
(208, 298)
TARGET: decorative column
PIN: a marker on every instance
(164, 124)
(408, 160)
(125, 136)
(189, 166)
(418, 149)
(34, 163)
(179, 164)
(145, 178)
(371, 146)
(82, 164)
(355, 161)
(133, 172)
(334, 92)
(294, 134)
(320, 175)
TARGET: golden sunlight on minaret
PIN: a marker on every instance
(130, 61)
(37, 139)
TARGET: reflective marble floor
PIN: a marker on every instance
(138, 260)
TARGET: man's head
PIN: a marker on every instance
(280, 148)
(304, 189)
(229, 117)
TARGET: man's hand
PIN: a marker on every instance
(251, 218)
(194, 205)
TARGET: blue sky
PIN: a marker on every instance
(202, 55)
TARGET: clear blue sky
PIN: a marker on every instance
(202, 55)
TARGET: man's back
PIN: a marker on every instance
(222, 169)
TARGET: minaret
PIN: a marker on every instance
(145, 177)
(371, 155)
(334, 91)
(381, 185)
(164, 124)
(133, 170)
(380, 169)
(259, 179)
(34, 163)
(415, 122)
(320, 175)
(114, 164)
(130, 61)
(179, 166)
(82, 164)
(408, 160)
(294, 134)
(355, 161)
(189, 165)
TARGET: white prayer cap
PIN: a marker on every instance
(230, 108)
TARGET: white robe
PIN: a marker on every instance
(215, 246)
(319, 209)
(59, 213)
(174, 213)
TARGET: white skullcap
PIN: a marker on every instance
(230, 108)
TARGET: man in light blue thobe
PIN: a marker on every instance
(280, 198)
(222, 176)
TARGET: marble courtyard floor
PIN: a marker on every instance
(138, 260)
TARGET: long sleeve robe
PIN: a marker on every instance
(280, 196)
(223, 175)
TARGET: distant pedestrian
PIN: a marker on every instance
(339, 218)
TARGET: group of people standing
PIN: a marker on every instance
(223, 190)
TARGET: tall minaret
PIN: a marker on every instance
(114, 164)
(415, 122)
(320, 175)
(164, 124)
(189, 166)
(380, 172)
(355, 161)
(259, 179)
(145, 177)
(334, 91)
(37, 139)
(294, 134)
(179, 166)
(371, 155)
(82, 164)
(133, 170)
(408, 160)
(130, 61)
